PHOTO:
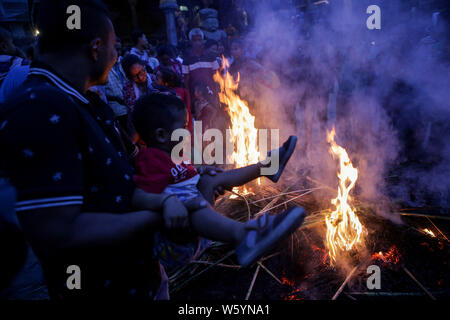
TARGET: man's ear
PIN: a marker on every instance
(94, 47)
(161, 135)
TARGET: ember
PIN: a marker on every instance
(390, 257)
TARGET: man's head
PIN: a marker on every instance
(196, 37)
(156, 116)
(134, 68)
(211, 47)
(94, 41)
(6, 42)
(140, 40)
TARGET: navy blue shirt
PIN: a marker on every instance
(61, 148)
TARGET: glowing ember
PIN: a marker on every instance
(392, 256)
(243, 135)
(429, 232)
(344, 231)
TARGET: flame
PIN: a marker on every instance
(244, 135)
(392, 256)
(344, 231)
(429, 232)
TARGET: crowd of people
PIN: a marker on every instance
(87, 180)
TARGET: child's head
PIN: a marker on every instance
(167, 77)
(156, 116)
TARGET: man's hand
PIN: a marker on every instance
(212, 171)
(175, 214)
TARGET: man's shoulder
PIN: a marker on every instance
(37, 99)
(39, 92)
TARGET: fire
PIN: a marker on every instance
(429, 232)
(392, 256)
(344, 231)
(243, 135)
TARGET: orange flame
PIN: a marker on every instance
(344, 231)
(244, 135)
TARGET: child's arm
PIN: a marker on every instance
(148, 201)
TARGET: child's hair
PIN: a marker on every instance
(170, 78)
(128, 61)
(155, 111)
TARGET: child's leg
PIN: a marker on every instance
(228, 180)
(210, 224)
(240, 176)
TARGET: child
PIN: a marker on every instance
(204, 110)
(155, 117)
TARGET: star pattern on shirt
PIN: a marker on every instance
(127, 177)
(120, 154)
(28, 153)
(57, 176)
(108, 161)
(119, 199)
(55, 119)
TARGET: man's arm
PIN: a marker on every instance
(51, 230)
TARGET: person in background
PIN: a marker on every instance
(168, 79)
(167, 60)
(13, 68)
(199, 67)
(140, 49)
(138, 81)
(10, 55)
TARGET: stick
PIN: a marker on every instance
(423, 215)
(285, 193)
(246, 202)
(249, 292)
(336, 295)
(388, 294)
(219, 264)
(271, 256)
(207, 268)
(267, 208)
(270, 273)
(349, 296)
(437, 229)
(418, 283)
(320, 183)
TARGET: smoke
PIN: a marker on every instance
(386, 92)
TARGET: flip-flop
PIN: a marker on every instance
(260, 239)
(289, 147)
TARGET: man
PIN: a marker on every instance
(140, 48)
(62, 152)
(199, 67)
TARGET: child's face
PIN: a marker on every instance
(181, 122)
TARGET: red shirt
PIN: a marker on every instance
(155, 170)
